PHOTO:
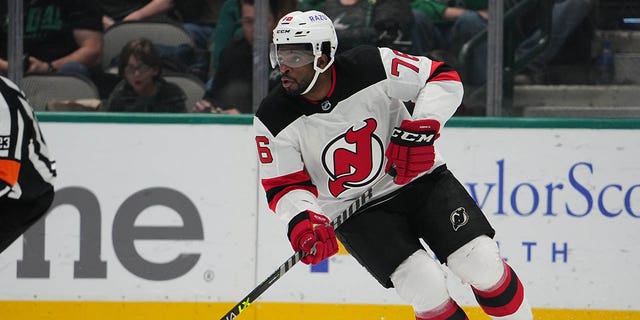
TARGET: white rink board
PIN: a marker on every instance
(214, 167)
(114, 161)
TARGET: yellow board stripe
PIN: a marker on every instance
(341, 249)
(83, 310)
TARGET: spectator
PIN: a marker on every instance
(199, 18)
(566, 17)
(229, 27)
(353, 20)
(143, 88)
(27, 169)
(458, 23)
(114, 11)
(231, 89)
(59, 37)
(358, 22)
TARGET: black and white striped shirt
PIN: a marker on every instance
(27, 169)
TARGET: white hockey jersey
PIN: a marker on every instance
(321, 155)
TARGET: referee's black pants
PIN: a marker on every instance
(17, 216)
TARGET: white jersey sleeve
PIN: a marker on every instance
(283, 175)
(434, 86)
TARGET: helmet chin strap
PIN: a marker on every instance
(315, 76)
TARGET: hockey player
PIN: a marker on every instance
(27, 171)
(334, 127)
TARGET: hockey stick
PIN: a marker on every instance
(287, 265)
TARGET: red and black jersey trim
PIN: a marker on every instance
(442, 72)
(503, 300)
(276, 188)
(278, 110)
(330, 93)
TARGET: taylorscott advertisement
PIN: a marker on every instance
(174, 212)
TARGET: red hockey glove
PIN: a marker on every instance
(313, 234)
(411, 149)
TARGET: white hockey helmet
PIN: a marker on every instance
(308, 27)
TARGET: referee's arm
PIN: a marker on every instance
(4, 189)
(9, 170)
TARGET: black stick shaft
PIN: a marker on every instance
(287, 265)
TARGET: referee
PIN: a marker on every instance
(27, 170)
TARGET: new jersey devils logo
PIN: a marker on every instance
(354, 158)
(459, 217)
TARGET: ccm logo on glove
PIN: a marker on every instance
(313, 234)
(413, 138)
(411, 150)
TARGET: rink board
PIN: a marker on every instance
(161, 217)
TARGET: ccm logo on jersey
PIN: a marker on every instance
(409, 138)
(4, 142)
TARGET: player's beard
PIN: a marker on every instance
(297, 87)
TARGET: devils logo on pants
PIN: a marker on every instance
(354, 158)
(459, 218)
